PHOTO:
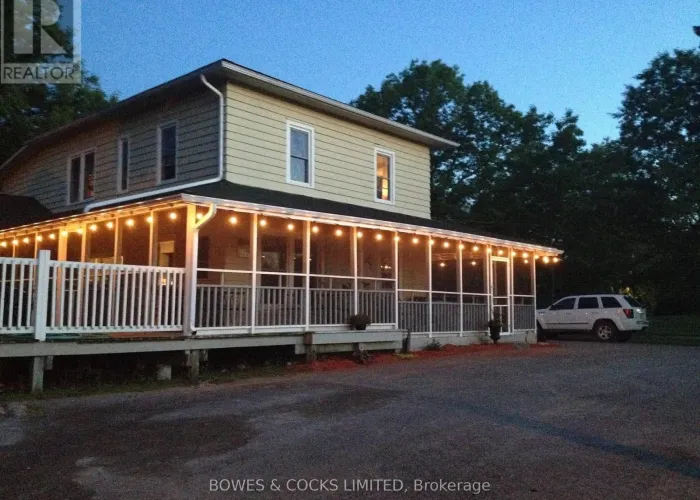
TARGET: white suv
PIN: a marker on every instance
(608, 316)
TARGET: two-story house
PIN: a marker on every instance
(229, 202)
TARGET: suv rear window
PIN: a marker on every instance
(588, 303)
(632, 301)
(610, 302)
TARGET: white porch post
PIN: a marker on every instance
(511, 298)
(354, 270)
(307, 271)
(460, 250)
(191, 250)
(254, 267)
(42, 295)
(152, 244)
(430, 287)
(396, 279)
(488, 252)
(533, 273)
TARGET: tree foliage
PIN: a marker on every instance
(625, 211)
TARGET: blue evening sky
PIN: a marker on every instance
(553, 54)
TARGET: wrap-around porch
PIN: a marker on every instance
(215, 267)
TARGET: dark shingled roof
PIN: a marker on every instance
(20, 210)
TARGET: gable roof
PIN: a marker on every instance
(219, 71)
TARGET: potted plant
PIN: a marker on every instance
(495, 326)
(359, 321)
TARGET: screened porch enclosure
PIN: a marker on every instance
(260, 273)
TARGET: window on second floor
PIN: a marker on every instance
(384, 169)
(123, 167)
(81, 177)
(300, 154)
(167, 152)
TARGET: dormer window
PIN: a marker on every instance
(300, 154)
(384, 169)
(81, 177)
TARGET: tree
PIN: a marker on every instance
(30, 110)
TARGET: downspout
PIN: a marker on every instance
(179, 187)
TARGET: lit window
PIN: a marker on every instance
(81, 177)
(384, 162)
(300, 144)
(168, 152)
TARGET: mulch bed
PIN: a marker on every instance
(348, 361)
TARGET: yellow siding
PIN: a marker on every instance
(256, 145)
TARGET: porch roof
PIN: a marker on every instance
(21, 210)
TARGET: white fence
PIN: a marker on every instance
(41, 296)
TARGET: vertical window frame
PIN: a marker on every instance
(302, 127)
(159, 151)
(120, 157)
(392, 175)
(81, 198)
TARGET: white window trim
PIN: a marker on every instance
(312, 152)
(392, 175)
(159, 148)
(121, 139)
(81, 182)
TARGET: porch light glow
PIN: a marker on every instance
(172, 215)
(537, 257)
(79, 231)
(263, 222)
(397, 238)
(40, 238)
(93, 228)
(545, 260)
(52, 236)
(359, 234)
(442, 264)
(315, 229)
(199, 215)
(64, 233)
(461, 246)
(526, 261)
(379, 237)
(488, 250)
(525, 255)
(25, 241)
(233, 220)
(475, 248)
(338, 232)
(110, 225)
(149, 219)
(432, 242)
(3, 244)
(415, 240)
(514, 254)
(290, 226)
(500, 252)
(446, 244)
(473, 263)
(130, 222)
(15, 242)
(555, 259)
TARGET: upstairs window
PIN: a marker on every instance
(167, 148)
(81, 177)
(384, 168)
(123, 171)
(300, 154)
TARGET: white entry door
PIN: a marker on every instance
(500, 286)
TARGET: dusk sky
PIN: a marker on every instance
(552, 54)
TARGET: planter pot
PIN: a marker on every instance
(495, 333)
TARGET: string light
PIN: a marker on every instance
(397, 238)
(526, 261)
(93, 228)
(52, 236)
(15, 242)
(149, 219)
(315, 229)
(338, 232)
(446, 244)
(79, 231)
(525, 255)
(473, 263)
(359, 234)
(442, 264)
(199, 216)
(263, 222)
(3, 244)
(110, 225)
(514, 254)
(537, 257)
(39, 238)
(489, 250)
(130, 222)
(500, 252)
(461, 246)
(233, 220)
(545, 260)
(379, 237)
(555, 259)
(432, 242)
(475, 248)
(172, 215)
(64, 233)
(290, 227)
(415, 240)
(26, 241)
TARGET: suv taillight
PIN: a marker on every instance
(629, 313)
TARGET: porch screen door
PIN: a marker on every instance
(500, 276)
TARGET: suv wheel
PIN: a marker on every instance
(605, 331)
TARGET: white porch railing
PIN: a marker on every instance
(17, 307)
(523, 312)
(331, 306)
(223, 306)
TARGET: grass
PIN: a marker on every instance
(676, 330)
